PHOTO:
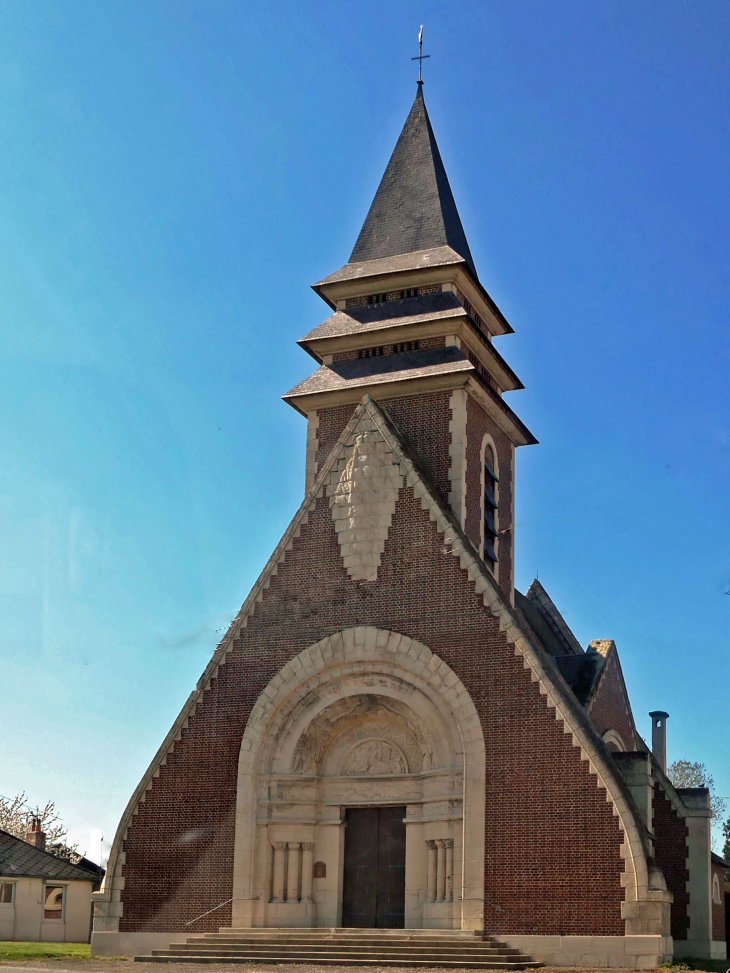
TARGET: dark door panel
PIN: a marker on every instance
(374, 868)
(360, 887)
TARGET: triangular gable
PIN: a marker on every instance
(371, 423)
(608, 705)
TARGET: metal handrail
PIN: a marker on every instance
(209, 911)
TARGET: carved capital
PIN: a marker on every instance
(278, 845)
(306, 845)
(293, 845)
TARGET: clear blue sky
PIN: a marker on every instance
(173, 177)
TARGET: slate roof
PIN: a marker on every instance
(370, 317)
(414, 207)
(355, 270)
(537, 595)
(386, 368)
(17, 857)
(719, 861)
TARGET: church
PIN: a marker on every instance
(390, 737)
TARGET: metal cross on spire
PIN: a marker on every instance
(421, 56)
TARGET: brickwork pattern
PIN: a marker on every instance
(423, 422)
(393, 295)
(671, 854)
(718, 908)
(479, 424)
(610, 707)
(552, 840)
(392, 349)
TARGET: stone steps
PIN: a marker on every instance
(352, 947)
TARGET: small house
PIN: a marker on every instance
(43, 897)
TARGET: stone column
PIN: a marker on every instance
(449, 842)
(699, 886)
(277, 888)
(292, 878)
(307, 859)
(441, 870)
(431, 893)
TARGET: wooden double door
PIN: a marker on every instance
(374, 886)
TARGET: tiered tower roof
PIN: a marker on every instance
(410, 312)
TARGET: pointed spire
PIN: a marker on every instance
(414, 208)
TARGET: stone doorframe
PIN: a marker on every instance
(302, 761)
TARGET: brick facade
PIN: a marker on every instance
(479, 424)
(671, 852)
(423, 422)
(552, 841)
(610, 708)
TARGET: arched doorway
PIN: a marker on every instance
(366, 725)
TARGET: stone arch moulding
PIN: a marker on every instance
(287, 804)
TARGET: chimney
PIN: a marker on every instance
(659, 737)
(35, 836)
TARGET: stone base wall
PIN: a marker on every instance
(627, 952)
(700, 949)
(133, 943)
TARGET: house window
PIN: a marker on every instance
(7, 893)
(53, 906)
(489, 506)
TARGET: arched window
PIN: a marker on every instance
(716, 897)
(490, 481)
(613, 740)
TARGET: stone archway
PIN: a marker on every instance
(365, 717)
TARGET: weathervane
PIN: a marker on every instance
(421, 56)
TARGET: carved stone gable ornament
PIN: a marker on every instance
(363, 491)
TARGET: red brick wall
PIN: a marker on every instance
(422, 421)
(610, 707)
(718, 908)
(552, 843)
(670, 832)
(479, 424)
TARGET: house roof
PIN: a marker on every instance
(719, 861)
(414, 207)
(19, 858)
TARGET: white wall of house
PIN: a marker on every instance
(24, 918)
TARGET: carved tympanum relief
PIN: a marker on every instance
(329, 744)
(363, 491)
(373, 758)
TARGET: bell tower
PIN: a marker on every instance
(413, 327)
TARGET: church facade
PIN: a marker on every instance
(390, 735)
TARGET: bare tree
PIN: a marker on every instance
(16, 816)
(685, 773)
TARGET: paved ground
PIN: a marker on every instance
(93, 965)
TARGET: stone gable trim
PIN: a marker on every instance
(457, 453)
(370, 416)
